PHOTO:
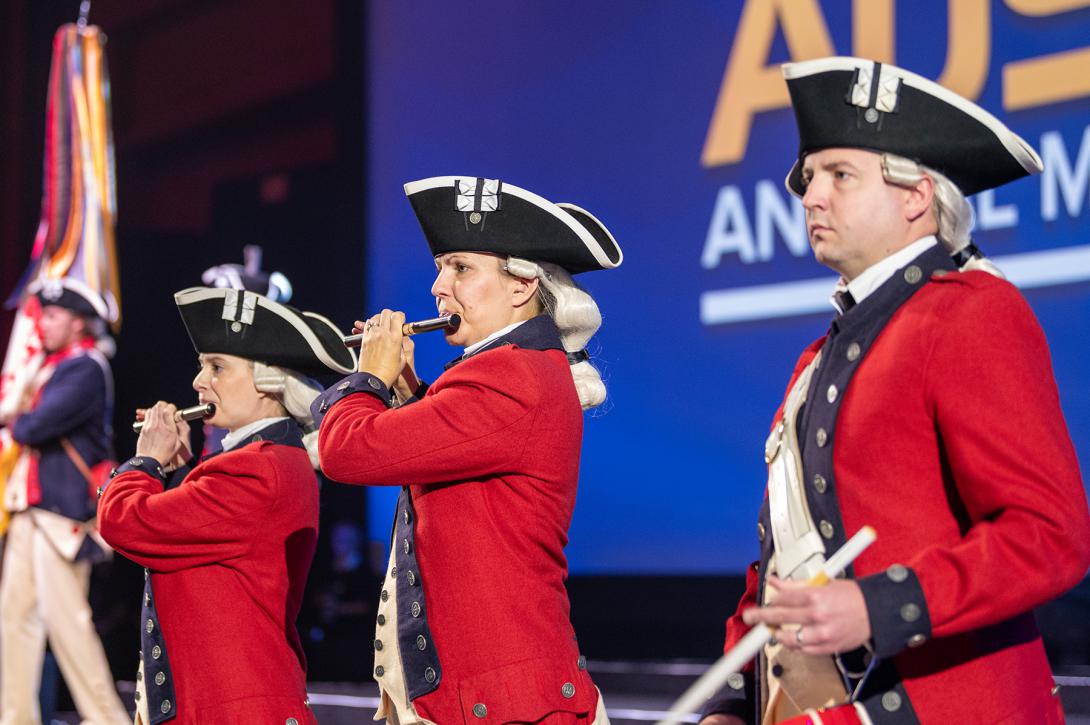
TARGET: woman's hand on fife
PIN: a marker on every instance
(407, 383)
(383, 351)
(184, 454)
(159, 436)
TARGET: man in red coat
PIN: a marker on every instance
(228, 549)
(473, 622)
(929, 411)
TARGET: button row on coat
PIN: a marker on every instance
(910, 611)
(567, 690)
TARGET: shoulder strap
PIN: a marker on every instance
(77, 460)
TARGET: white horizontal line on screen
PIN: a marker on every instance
(1027, 270)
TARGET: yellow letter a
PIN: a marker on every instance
(749, 84)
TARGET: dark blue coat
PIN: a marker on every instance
(76, 402)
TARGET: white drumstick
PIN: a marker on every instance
(750, 644)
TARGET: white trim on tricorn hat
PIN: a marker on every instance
(87, 302)
(474, 200)
(235, 311)
(936, 127)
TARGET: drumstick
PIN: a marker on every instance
(750, 644)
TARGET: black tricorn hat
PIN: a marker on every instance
(845, 102)
(75, 295)
(472, 214)
(249, 325)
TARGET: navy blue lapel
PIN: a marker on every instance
(537, 333)
(282, 432)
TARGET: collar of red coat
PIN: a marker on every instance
(283, 432)
(537, 333)
(75, 348)
(52, 361)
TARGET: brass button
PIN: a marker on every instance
(393, 571)
(235, 327)
(374, 383)
(421, 643)
(897, 573)
(479, 710)
(820, 484)
(853, 352)
(378, 645)
(760, 531)
(939, 273)
(160, 678)
(380, 671)
(891, 701)
(831, 394)
(910, 612)
(149, 626)
(385, 596)
(165, 707)
(381, 619)
(156, 652)
(871, 115)
(291, 721)
(567, 690)
(324, 406)
(344, 386)
(405, 517)
(136, 696)
(916, 640)
(406, 546)
(581, 663)
(147, 599)
(475, 218)
(826, 529)
(429, 674)
(736, 681)
(411, 576)
(415, 609)
(822, 437)
(913, 274)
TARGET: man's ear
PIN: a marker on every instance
(523, 290)
(918, 198)
(82, 326)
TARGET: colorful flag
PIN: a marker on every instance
(75, 236)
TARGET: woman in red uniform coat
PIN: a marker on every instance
(228, 550)
(473, 623)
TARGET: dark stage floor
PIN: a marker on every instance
(636, 693)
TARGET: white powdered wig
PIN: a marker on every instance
(952, 212)
(295, 392)
(575, 313)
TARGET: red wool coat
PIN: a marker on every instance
(229, 551)
(951, 443)
(491, 456)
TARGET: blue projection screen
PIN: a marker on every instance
(668, 120)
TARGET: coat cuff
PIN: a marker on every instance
(736, 698)
(897, 610)
(417, 396)
(354, 383)
(144, 464)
